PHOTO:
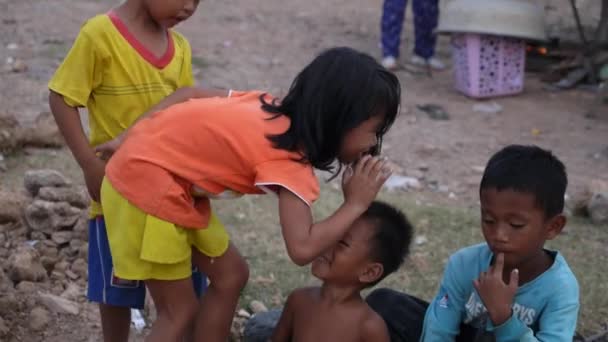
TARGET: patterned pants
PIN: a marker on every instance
(426, 13)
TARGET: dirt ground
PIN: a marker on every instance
(261, 44)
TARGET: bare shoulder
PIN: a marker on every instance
(303, 296)
(373, 327)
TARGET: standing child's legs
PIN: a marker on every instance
(393, 13)
(228, 275)
(115, 296)
(426, 13)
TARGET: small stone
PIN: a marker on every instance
(80, 267)
(75, 196)
(48, 216)
(401, 182)
(19, 66)
(57, 275)
(478, 169)
(12, 46)
(62, 237)
(256, 307)
(58, 304)
(26, 287)
(487, 108)
(420, 240)
(260, 327)
(70, 274)
(39, 318)
(24, 264)
(72, 292)
(36, 179)
(243, 313)
(598, 207)
(3, 328)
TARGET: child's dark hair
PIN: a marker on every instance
(532, 170)
(336, 92)
(393, 235)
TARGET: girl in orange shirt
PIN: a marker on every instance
(158, 184)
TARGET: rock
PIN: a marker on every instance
(81, 228)
(83, 251)
(396, 182)
(487, 108)
(256, 306)
(24, 264)
(62, 266)
(3, 328)
(39, 319)
(598, 208)
(26, 287)
(58, 304)
(71, 275)
(420, 240)
(48, 262)
(80, 267)
(43, 133)
(48, 216)
(11, 206)
(77, 197)
(9, 304)
(243, 313)
(12, 46)
(261, 326)
(36, 179)
(18, 66)
(72, 292)
(10, 133)
(434, 111)
(6, 284)
(62, 237)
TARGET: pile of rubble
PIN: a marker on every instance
(43, 253)
(592, 202)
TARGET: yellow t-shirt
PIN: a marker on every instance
(116, 78)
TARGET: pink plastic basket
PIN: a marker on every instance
(488, 66)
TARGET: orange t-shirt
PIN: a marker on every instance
(216, 144)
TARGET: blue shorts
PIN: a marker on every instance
(104, 287)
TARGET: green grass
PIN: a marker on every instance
(255, 231)
(254, 228)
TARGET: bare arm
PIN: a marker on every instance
(283, 332)
(306, 240)
(70, 126)
(178, 96)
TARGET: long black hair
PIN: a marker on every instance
(340, 89)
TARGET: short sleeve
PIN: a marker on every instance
(299, 178)
(79, 73)
(186, 77)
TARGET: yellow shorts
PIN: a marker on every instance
(146, 247)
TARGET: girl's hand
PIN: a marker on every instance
(361, 182)
(107, 149)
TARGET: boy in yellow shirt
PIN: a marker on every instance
(122, 64)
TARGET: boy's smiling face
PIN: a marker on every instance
(349, 261)
(512, 223)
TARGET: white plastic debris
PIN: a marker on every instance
(488, 108)
(401, 182)
(137, 320)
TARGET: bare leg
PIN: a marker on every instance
(176, 306)
(228, 275)
(115, 322)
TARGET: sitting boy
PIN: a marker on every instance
(374, 247)
(509, 288)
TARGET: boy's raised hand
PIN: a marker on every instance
(495, 294)
(362, 181)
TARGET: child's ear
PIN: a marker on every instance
(371, 272)
(555, 226)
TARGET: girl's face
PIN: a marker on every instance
(360, 140)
